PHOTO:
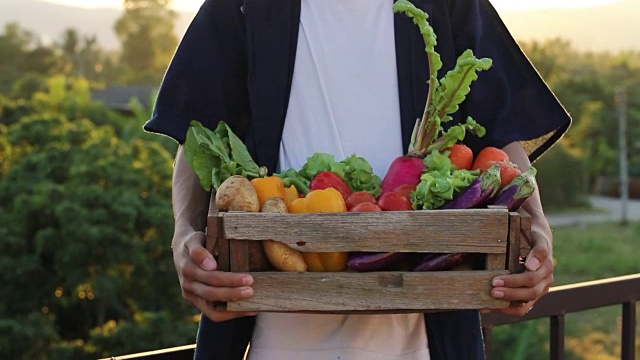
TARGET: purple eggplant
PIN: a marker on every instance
(517, 191)
(376, 261)
(478, 192)
(441, 262)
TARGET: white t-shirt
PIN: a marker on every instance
(344, 100)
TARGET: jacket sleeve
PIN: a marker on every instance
(206, 80)
(511, 99)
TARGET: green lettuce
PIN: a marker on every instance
(354, 170)
(217, 155)
(441, 182)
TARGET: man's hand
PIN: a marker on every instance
(523, 290)
(201, 282)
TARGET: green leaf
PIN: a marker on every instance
(456, 84)
(217, 155)
(440, 183)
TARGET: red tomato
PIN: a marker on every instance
(405, 189)
(365, 206)
(394, 201)
(508, 171)
(359, 197)
(461, 156)
(487, 156)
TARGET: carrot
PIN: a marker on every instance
(461, 156)
(487, 157)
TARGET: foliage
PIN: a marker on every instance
(592, 334)
(561, 191)
(146, 30)
(585, 83)
(86, 219)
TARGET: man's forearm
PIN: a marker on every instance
(190, 200)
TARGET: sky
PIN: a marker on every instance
(500, 5)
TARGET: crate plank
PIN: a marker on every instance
(353, 292)
(481, 230)
(513, 247)
(525, 234)
(495, 262)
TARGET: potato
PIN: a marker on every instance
(237, 194)
(280, 255)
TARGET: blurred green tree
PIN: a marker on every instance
(86, 217)
(146, 31)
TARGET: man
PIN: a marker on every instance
(293, 77)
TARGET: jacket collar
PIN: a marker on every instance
(272, 37)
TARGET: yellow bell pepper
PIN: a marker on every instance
(268, 187)
(291, 194)
(327, 200)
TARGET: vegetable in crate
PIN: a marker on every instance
(518, 191)
(479, 192)
(441, 262)
(237, 194)
(217, 155)
(356, 172)
(328, 179)
(327, 200)
(280, 255)
(440, 183)
(444, 98)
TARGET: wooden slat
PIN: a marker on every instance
(345, 292)
(482, 230)
(496, 262)
(513, 247)
(525, 234)
(224, 252)
(239, 259)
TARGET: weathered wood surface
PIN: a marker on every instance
(513, 247)
(482, 230)
(370, 292)
(525, 233)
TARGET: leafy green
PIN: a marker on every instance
(457, 133)
(359, 175)
(355, 171)
(441, 182)
(446, 95)
(217, 155)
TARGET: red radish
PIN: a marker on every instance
(359, 197)
(394, 201)
(365, 206)
(405, 189)
(404, 170)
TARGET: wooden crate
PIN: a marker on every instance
(495, 233)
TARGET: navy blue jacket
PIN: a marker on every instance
(235, 63)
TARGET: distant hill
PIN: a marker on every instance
(612, 27)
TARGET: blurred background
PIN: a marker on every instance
(85, 213)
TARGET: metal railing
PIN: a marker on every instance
(561, 300)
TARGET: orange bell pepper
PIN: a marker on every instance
(327, 200)
(268, 187)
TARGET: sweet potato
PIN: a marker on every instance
(280, 255)
(237, 194)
